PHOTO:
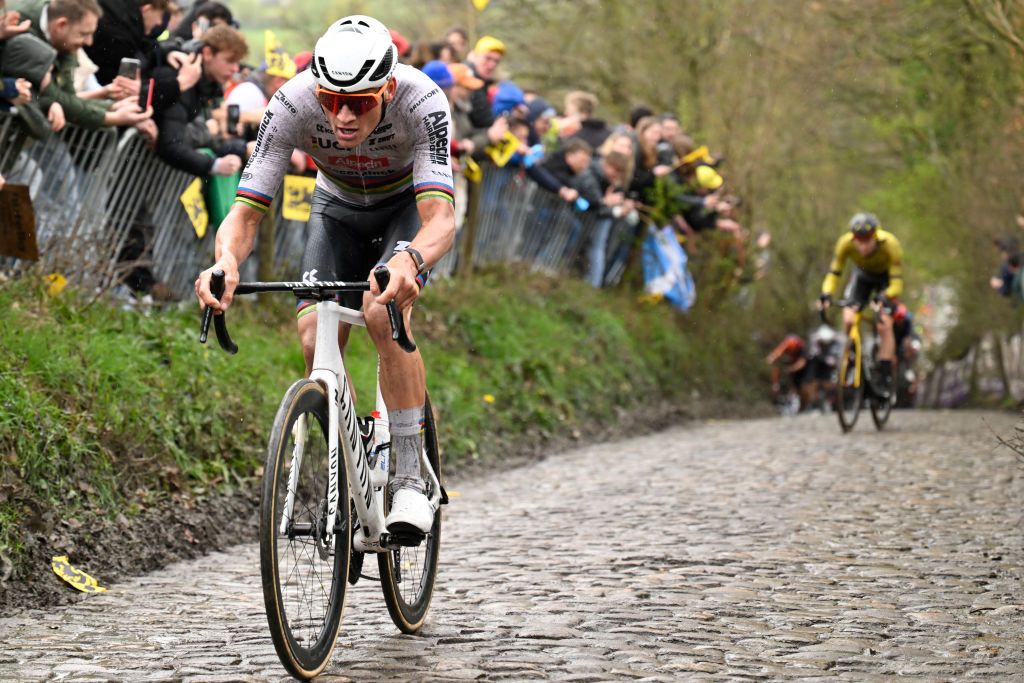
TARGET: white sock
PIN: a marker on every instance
(406, 444)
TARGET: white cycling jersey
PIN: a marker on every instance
(407, 151)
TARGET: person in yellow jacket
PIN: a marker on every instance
(877, 269)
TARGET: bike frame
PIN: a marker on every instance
(344, 438)
(858, 354)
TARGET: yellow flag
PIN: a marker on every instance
(472, 171)
(501, 151)
(278, 61)
(195, 207)
(62, 567)
(298, 193)
(481, 5)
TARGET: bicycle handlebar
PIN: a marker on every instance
(842, 303)
(318, 291)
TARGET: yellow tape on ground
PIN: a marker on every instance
(650, 299)
(55, 284)
(77, 578)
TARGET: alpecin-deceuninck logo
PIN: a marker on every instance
(258, 149)
(436, 124)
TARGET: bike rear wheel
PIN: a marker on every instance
(849, 391)
(304, 563)
(407, 573)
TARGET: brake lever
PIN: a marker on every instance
(383, 276)
(220, 324)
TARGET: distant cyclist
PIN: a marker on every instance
(793, 353)
(877, 270)
(908, 347)
(824, 360)
(379, 134)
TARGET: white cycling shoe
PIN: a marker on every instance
(411, 512)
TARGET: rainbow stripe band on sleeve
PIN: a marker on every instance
(434, 190)
(254, 199)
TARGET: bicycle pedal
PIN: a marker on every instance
(408, 538)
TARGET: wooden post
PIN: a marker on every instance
(465, 265)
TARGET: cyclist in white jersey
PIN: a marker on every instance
(379, 133)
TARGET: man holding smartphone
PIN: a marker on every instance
(221, 51)
(127, 31)
(69, 25)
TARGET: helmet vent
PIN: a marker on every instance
(384, 69)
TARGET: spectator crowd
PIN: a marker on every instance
(178, 75)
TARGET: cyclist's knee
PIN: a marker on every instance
(377, 323)
(307, 336)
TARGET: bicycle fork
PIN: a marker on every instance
(294, 467)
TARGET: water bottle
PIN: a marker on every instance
(380, 453)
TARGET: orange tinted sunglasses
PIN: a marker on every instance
(358, 103)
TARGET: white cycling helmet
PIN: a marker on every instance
(356, 53)
(825, 334)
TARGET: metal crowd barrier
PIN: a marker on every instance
(67, 176)
(12, 139)
(90, 190)
(148, 201)
(519, 222)
(97, 193)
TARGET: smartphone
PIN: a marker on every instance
(232, 119)
(129, 68)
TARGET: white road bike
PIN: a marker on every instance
(313, 538)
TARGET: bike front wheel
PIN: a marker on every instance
(881, 408)
(304, 556)
(407, 573)
(849, 388)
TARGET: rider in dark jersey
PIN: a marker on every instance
(379, 134)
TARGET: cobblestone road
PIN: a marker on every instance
(771, 549)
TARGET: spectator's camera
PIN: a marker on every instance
(129, 68)
(233, 114)
(193, 46)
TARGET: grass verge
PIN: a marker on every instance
(106, 413)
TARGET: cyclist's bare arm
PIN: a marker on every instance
(433, 241)
(235, 238)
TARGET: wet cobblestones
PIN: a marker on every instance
(763, 550)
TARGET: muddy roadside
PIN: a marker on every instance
(114, 549)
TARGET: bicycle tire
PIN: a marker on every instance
(407, 574)
(849, 393)
(881, 408)
(303, 621)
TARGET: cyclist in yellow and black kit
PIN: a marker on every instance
(877, 269)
